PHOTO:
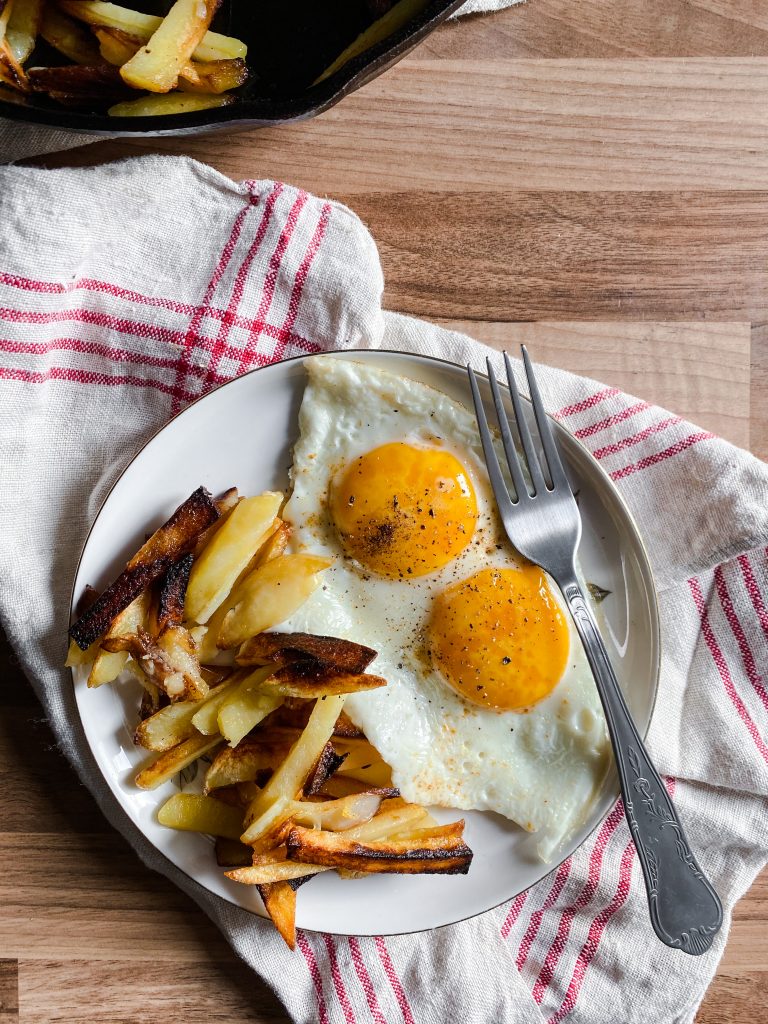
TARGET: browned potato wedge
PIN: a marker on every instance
(172, 540)
(156, 66)
(327, 764)
(286, 648)
(243, 762)
(280, 871)
(232, 853)
(68, 36)
(91, 82)
(228, 553)
(294, 681)
(279, 900)
(215, 76)
(169, 661)
(109, 664)
(288, 781)
(173, 587)
(192, 812)
(420, 854)
(116, 47)
(213, 45)
(175, 760)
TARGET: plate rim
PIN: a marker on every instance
(646, 572)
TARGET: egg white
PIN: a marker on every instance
(541, 768)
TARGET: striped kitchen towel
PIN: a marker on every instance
(107, 332)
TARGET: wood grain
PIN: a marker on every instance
(587, 176)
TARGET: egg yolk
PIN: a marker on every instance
(403, 511)
(500, 638)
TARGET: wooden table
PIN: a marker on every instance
(591, 177)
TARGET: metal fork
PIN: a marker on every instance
(545, 527)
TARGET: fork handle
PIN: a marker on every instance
(684, 908)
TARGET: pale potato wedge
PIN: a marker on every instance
(228, 553)
(176, 722)
(267, 829)
(193, 812)
(109, 665)
(168, 103)
(395, 817)
(156, 66)
(206, 718)
(270, 595)
(213, 45)
(76, 658)
(246, 707)
(23, 27)
(289, 778)
(174, 760)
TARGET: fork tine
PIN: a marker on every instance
(534, 467)
(548, 442)
(498, 483)
(513, 459)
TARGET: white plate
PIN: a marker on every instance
(242, 434)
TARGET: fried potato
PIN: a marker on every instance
(173, 588)
(77, 658)
(396, 17)
(166, 545)
(336, 815)
(243, 762)
(169, 661)
(176, 722)
(246, 707)
(155, 67)
(288, 780)
(23, 27)
(79, 81)
(206, 717)
(215, 76)
(279, 899)
(109, 664)
(230, 853)
(269, 595)
(192, 812)
(68, 36)
(286, 648)
(295, 681)
(213, 45)
(228, 553)
(270, 827)
(419, 854)
(116, 47)
(175, 760)
(274, 546)
(280, 871)
(327, 765)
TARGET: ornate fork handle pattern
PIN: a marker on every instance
(684, 908)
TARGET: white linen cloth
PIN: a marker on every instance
(19, 141)
(107, 332)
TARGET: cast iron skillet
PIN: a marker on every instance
(290, 42)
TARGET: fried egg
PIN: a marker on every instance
(490, 703)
